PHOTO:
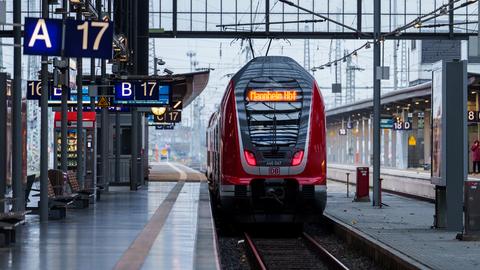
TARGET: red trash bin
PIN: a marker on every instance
(362, 193)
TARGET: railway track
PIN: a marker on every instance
(290, 253)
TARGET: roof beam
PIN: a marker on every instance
(302, 35)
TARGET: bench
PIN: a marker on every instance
(58, 199)
(29, 188)
(86, 196)
(8, 222)
(57, 204)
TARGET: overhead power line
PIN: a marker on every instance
(416, 23)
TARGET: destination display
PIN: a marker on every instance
(271, 96)
(165, 127)
(386, 123)
(395, 124)
(141, 93)
(34, 92)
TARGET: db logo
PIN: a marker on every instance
(274, 170)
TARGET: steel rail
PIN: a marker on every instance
(254, 254)
(326, 256)
(257, 261)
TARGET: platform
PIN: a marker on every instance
(405, 226)
(406, 181)
(172, 171)
(165, 225)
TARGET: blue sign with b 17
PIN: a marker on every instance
(82, 38)
(138, 93)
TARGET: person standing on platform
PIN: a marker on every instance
(476, 156)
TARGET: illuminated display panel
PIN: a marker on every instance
(272, 96)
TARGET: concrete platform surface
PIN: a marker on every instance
(408, 181)
(156, 227)
(404, 225)
(173, 171)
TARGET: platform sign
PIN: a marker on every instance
(342, 132)
(34, 91)
(56, 93)
(43, 37)
(402, 125)
(170, 116)
(83, 38)
(473, 116)
(142, 93)
(124, 91)
(89, 39)
(147, 90)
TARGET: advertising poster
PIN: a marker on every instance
(437, 99)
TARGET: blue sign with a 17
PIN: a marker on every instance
(43, 37)
(88, 39)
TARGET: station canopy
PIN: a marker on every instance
(187, 86)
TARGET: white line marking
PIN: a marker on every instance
(183, 175)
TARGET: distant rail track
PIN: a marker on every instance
(301, 252)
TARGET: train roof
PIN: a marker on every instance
(272, 66)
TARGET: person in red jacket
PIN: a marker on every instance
(476, 156)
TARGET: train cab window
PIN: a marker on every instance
(273, 107)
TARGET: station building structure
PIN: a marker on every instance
(406, 139)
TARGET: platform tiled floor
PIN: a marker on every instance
(405, 225)
(96, 238)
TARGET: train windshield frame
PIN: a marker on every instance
(274, 118)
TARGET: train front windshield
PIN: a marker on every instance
(273, 109)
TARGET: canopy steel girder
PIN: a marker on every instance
(291, 35)
(303, 35)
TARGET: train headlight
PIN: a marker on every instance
(250, 157)
(297, 158)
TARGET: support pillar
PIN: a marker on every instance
(376, 103)
(80, 141)
(118, 138)
(394, 149)
(3, 139)
(44, 133)
(17, 138)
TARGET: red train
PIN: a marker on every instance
(266, 144)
